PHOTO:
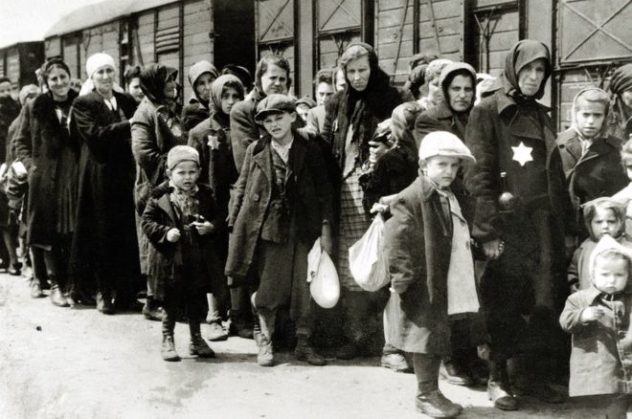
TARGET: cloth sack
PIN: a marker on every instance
(322, 277)
(367, 261)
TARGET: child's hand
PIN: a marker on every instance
(591, 314)
(203, 228)
(173, 235)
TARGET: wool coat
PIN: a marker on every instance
(597, 173)
(307, 190)
(9, 110)
(104, 242)
(243, 127)
(43, 145)
(166, 259)
(601, 355)
(193, 113)
(418, 244)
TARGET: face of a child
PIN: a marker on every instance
(442, 170)
(185, 175)
(610, 274)
(302, 111)
(605, 222)
(279, 125)
(589, 118)
(5, 89)
(230, 96)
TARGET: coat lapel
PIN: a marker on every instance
(165, 204)
(262, 157)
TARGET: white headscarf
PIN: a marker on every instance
(93, 64)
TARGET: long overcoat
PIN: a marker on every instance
(39, 144)
(418, 243)
(307, 189)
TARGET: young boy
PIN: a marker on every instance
(281, 204)
(427, 243)
(181, 221)
(590, 157)
(603, 216)
(599, 320)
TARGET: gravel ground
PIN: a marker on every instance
(78, 363)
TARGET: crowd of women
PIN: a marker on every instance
(85, 175)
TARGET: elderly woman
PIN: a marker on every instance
(523, 213)
(620, 119)
(50, 153)
(352, 116)
(155, 130)
(104, 246)
(201, 76)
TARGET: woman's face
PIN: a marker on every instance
(358, 73)
(461, 92)
(203, 86)
(274, 80)
(103, 79)
(626, 97)
(58, 81)
(133, 88)
(230, 96)
(170, 91)
(531, 76)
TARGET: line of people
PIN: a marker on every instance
(210, 210)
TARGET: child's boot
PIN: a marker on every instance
(56, 295)
(198, 346)
(304, 351)
(265, 357)
(168, 350)
(430, 401)
(498, 387)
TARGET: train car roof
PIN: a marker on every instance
(99, 13)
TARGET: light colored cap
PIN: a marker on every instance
(443, 143)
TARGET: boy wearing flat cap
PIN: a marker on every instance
(181, 221)
(428, 247)
(281, 205)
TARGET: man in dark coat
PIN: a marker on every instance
(523, 215)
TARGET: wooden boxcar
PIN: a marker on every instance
(18, 62)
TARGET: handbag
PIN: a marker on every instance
(367, 261)
(324, 285)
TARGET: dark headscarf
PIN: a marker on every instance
(522, 53)
(52, 63)
(217, 89)
(620, 115)
(153, 80)
(621, 79)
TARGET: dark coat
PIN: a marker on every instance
(166, 259)
(105, 237)
(438, 118)
(308, 193)
(243, 127)
(9, 110)
(418, 243)
(601, 358)
(218, 166)
(192, 114)
(598, 173)
(43, 146)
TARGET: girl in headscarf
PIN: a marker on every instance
(105, 248)
(620, 120)
(155, 130)
(352, 116)
(523, 215)
(50, 153)
(211, 138)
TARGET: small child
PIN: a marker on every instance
(599, 319)
(177, 221)
(280, 206)
(428, 248)
(603, 216)
(625, 195)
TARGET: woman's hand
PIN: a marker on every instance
(378, 208)
(493, 249)
(203, 228)
(173, 235)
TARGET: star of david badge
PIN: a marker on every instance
(522, 154)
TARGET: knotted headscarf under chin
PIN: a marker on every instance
(523, 53)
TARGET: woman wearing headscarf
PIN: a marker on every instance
(620, 118)
(523, 215)
(352, 116)
(211, 138)
(50, 153)
(201, 76)
(105, 248)
(155, 130)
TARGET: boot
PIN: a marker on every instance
(168, 350)
(239, 325)
(265, 356)
(498, 389)
(104, 303)
(436, 405)
(56, 295)
(198, 346)
(453, 374)
(36, 289)
(305, 352)
(151, 311)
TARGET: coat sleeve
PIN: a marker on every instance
(398, 244)
(22, 138)
(153, 229)
(237, 197)
(483, 179)
(98, 136)
(424, 125)
(145, 149)
(243, 131)
(570, 317)
(331, 114)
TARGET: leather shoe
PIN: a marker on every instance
(168, 349)
(436, 405)
(57, 297)
(453, 375)
(396, 362)
(216, 332)
(308, 354)
(104, 304)
(502, 399)
(152, 313)
(200, 348)
(265, 356)
(36, 289)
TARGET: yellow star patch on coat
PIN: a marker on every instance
(522, 154)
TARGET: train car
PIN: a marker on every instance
(19, 61)
(175, 33)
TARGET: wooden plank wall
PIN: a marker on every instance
(145, 38)
(102, 38)
(198, 23)
(52, 47)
